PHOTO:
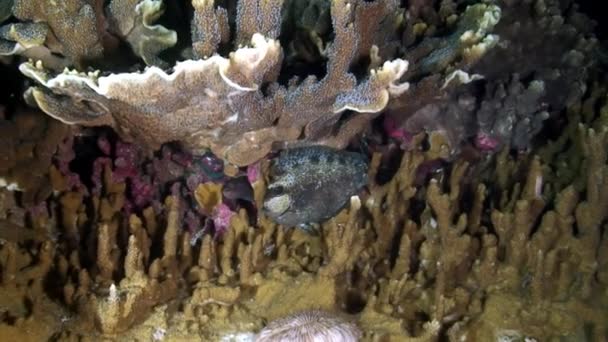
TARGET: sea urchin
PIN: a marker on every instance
(314, 325)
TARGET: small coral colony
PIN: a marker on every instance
(303, 170)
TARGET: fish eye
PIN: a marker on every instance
(274, 191)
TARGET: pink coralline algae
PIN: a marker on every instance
(486, 143)
(221, 219)
(392, 130)
(126, 162)
(125, 166)
(253, 172)
(149, 178)
(104, 145)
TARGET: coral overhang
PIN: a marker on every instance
(230, 105)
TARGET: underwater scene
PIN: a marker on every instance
(303, 170)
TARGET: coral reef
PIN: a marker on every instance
(524, 259)
(132, 21)
(79, 32)
(234, 105)
(540, 52)
(61, 20)
(28, 141)
(332, 72)
(474, 207)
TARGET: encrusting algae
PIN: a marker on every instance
(459, 150)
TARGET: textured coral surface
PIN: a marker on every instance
(523, 256)
(169, 185)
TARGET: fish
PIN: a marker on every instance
(309, 185)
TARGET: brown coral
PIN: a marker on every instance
(407, 262)
(72, 23)
(515, 250)
(132, 20)
(223, 103)
(28, 142)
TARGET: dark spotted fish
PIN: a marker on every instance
(312, 184)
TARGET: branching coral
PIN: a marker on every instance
(28, 142)
(561, 64)
(26, 39)
(146, 282)
(251, 102)
(132, 20)
(21, 36)
(565, 53)
(79, 32)
(232, 106)
(440, 65)
(229, 105)
(511, 115)
(403, 261)
(209, 28)
(72, 23)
